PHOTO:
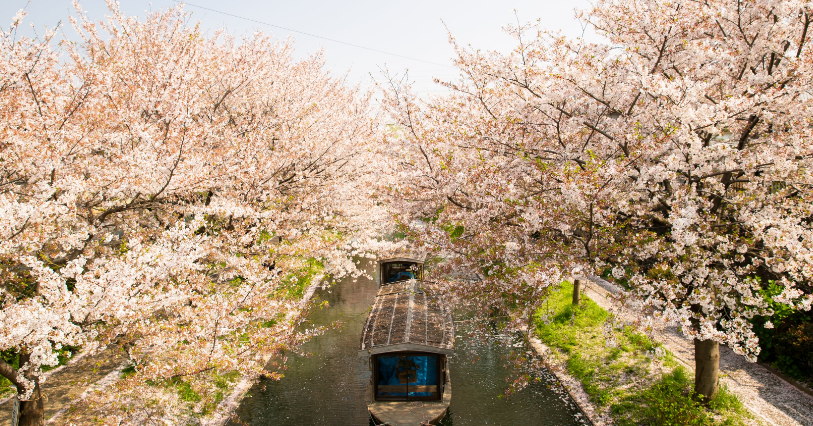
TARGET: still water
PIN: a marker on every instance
(327, 387)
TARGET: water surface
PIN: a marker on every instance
(328, 386)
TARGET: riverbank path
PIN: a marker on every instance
(67, 383)
(770, 398)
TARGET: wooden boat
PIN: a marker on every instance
(407, 338)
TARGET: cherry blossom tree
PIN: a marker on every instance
(465, 192)
(157, 184)
(673, 154)
(721, 196)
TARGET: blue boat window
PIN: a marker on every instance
(407, 376)
(400, 271)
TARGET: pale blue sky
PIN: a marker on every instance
(414, 29)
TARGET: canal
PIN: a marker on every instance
(327, 386)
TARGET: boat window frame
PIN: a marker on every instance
(383, 264)
(440, 360)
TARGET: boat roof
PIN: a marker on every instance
(404, 254)
(407, 317)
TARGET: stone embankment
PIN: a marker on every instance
(574, 388)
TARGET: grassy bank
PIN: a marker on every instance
(294, 284)
(624, 371)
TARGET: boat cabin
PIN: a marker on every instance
(408, 335)
(401, 266)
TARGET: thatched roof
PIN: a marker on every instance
(408, 254)
(404, 317)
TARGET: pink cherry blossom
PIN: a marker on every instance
(158, 183)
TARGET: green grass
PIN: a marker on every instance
(670, 401)
(617, 373)
(294, 284)
(185, 390)
(200, 402)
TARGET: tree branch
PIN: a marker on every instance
(597, 130)
(632, 105)
(804, 35)
(449, 197)
(7, 371)
(33, 93)
(752, 122)
(660, 54)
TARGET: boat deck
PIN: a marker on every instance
(409, 413)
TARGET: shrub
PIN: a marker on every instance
(789, 344)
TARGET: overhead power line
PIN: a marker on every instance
(313, 35)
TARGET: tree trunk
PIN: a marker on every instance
(706, 368)
(32, 412)
(577, 288)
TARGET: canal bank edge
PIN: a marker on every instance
(229, 405)
(572, 386)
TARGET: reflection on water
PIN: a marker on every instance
(328, 387)
(479, 374)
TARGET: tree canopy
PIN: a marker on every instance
(672, 155)
(157, 187)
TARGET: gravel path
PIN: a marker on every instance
(773, 400)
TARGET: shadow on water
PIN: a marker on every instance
(328, 387)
